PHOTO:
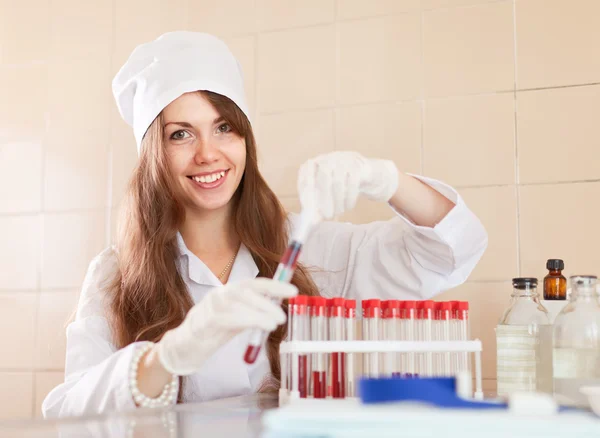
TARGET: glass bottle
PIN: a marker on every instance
(577, 342)
(555, 284)
(524, 342)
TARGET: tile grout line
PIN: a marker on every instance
(516, 140)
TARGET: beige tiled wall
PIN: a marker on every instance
(499, 98)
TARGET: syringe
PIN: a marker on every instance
(284, 273)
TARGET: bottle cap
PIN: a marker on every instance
(328, 302)
(410, 304)
(291, 301)
(365, 304)
(350, 304)
(393, 304)
(316, 301)
(463, 305)
(428, 304)
(337, 302)
(375, 303)
(555, 265)
(301, 300)
(524, 282)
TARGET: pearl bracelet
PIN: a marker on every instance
(166, 398)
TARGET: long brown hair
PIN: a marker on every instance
(148, 295)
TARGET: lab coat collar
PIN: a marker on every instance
(244, 267)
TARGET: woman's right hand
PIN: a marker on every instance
(221, 315)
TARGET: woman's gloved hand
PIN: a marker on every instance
(330, 184)
(220, 316)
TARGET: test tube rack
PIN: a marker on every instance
(290, 350)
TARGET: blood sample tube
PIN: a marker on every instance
(374, 311)
(437, 357)
(366, 323)
(336, 333)
(317, 327)
(427, 334)
(402, 337)
(290, 336)
(391, 320)
(445, 335)
(328, 356)
(410, 310)
(350, 335)
(300, 333)
(454, 336)
(462, 320)
(419, 357)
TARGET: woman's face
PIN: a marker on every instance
(206, 157)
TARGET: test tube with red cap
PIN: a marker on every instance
(410, 311)
(287, 369)
(328, 364)
(437, 357)
(427, 335)
(336, 333)
(366, 322)
(374, 311)
(300, 327)
(454, 336)
(350, 335)
(318, 333)
(463, 332)
(391, 320)
(445, 334)
(419, 357)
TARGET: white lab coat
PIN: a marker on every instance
(387, 259)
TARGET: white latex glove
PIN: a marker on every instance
(330, 184)
(220, 316)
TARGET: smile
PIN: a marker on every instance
(209, 180)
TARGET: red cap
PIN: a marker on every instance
(384, 305)
(301, 300)
(316, 301)
(350, 304)
(445, 305)
(454, 304)
(375, 303)
(328, 302)
(463, 305)
(393, 304)
(419, 304)
(366, 304)
(437, 305)
(427, 304)
(401, 304)
(410, 304)
(337, 302)
(291, 301)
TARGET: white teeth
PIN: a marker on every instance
(209, 178)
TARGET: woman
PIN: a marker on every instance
(166, 315)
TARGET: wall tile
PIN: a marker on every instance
(75, 171)
(555, 42)
(389, 130)
(81, 30)
(45, 382)
(437, 4)
(243, 48)
(558, 134)
(79, 97)
(71, 241)
(291, 204)
(470, 140)
(19, 252)
(559, 221)
(17, 322)
(32, 38)
(281, 153)
(487, 302)
(225, 18)
(296, 69)
(123, 156)
(16, 397)
(380, 59)
(278, 14)
(133, 28)
(56, 308)
(22, 194)
(496, 208)
(350, 9)
(23, 102)
(461, 59)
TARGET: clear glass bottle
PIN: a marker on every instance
(524, 342)
(577, 342)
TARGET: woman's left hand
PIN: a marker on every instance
(330, 184)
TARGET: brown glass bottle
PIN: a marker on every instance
(555, 284)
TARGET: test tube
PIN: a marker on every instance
(427, 334)
(462, 320)
(402, 337)
(419, 357)
(374, 311)
(317, 327)
(366, 322)
(336, 333)
(445, 335)
(350, 335)
(290, 336)
(391, 320)
(410, 310)
(300, 329)
(454, 336)
(327, 356)
(437, 336)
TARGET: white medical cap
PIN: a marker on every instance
(175, 63)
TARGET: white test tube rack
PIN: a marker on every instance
(293, 349)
